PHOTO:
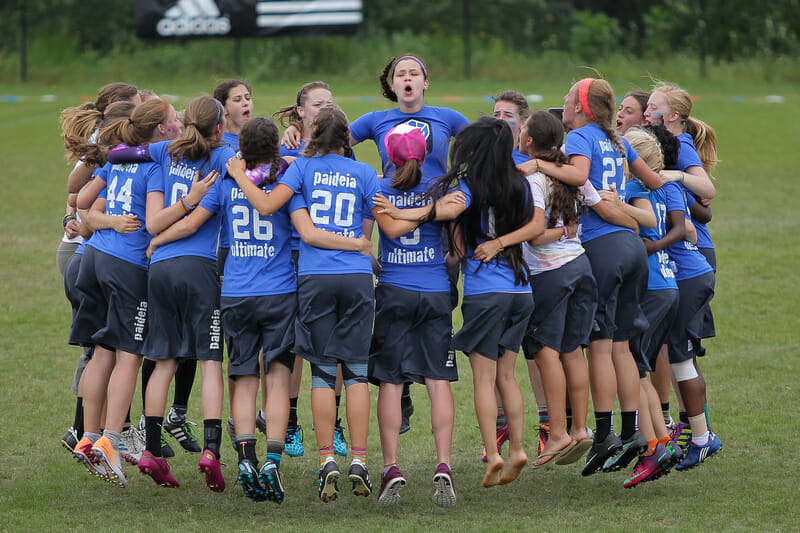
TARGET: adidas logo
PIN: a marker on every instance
(193, 17)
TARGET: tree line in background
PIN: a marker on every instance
(722, 30)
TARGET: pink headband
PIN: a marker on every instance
(418, 60)
(583, 96)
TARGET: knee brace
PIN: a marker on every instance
(353, 373)
(323, 376)
(684, 371)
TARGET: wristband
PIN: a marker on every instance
(67, 218)
(501, 245)
(565, 236)
(185, 205)
(681, 180)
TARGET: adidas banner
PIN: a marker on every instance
(170, 19)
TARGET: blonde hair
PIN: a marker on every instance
(703, 135)
(646, 145)
(141, 125)
(201, 118)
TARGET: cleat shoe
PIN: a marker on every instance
(631, 448)
(339, 442)
(130, 446)
(600, 452)
(359, 477)
(676, 454)
(391, 482)
(70, 439)
(166, 449)
(293, 447)
(108, 456)
(445, 493)
(544, 436)
(82, 452)
(261, 422)
(328, 477)
(210, 466)
(407, 406)
(695, 454)
(158, 469)
(270, 478)
(681, 434)
(502, 434)
(248, 479)
(648, 467)
(232, 433)
(181, 430)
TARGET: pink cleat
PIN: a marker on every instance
(210, 466)
(158, 469)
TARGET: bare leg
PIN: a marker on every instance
(515, 416)
(442, 417)
(93, 387)
(577, 374)
(358, 404)
(121, 388)
(484, 371)
(555, 391)
(389, 420)
(277, 400)
(212, 389)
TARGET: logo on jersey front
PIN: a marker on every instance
(425, 128)
(193, 17)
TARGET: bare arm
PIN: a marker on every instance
(533, 229)
(674, 234)
(693, 178)
(79, 176)
(691, 231)
(701, 210)
(265, 203)
(640, 208)
(553, 234)
(612, 215)
(575, 173)
(640, 169)
(181, 229)
(160, 218)
(97, 219)
(319, 238)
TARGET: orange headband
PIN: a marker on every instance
(583, 96)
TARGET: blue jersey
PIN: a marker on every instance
(519, 157)
(176, 180)
(667, 198)
(232, 140)
(415, 260)
(438, 125)
(293, 152)
(337, 192)
(686, 259)
(703, 236)
(687, 157)
(607, 167)
(126, 194)
(494, 276)
(260, 260)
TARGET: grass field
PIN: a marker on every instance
(753, 373)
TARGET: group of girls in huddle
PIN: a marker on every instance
(195, 246)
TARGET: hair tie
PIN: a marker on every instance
(583, 96)
(130, 121)
(418, 60)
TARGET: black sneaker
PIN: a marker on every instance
(181, 430)
(166, 449)
(70, 439)
(631, 449)
(249, 480)
(600, 453)
(270, 478)
(328, 477)
(359, 477)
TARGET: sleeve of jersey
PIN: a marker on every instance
(634, 189)
(578, 144)
(590, 194)
(297, 202)
(102, 172)
(687, 154)
(293, 177)
(536, 183)
(370, 190)
(155, 179)
(463, 187)
(458, 122)
(675, 199)
(361, 128)
(630, 153)
(213, 198)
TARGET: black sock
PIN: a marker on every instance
(128, 417)
(628, 424)
(569, 419)
(184, 380)
(77, 423)
(665, 407)
(338, 399)
(148, 365)
(604, 421)
(152, 428)
(293, 412)
(212, 435)
(246, 448)
(684, 417)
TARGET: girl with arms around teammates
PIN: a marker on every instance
(113, 280)
(413, 323)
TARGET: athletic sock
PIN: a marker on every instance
(275, 450)
(93, 437)
(177, 414)
(325, 453)
(184, 380)
(246, 448)
(113, 437)
(629, 424)
(664, 440)
(569, 419)
(651, 447)
(665, 412)
(544, 416)
(699, 429)
(212, 435)
(359, 454)
(604, 421)
(501, 417)
(292, 412)
(152, 429)
(77, 422)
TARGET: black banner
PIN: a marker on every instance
(187, 19)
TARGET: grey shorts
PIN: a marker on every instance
(687, 329)
(412, 335)
(661, 308)
(493, 323)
